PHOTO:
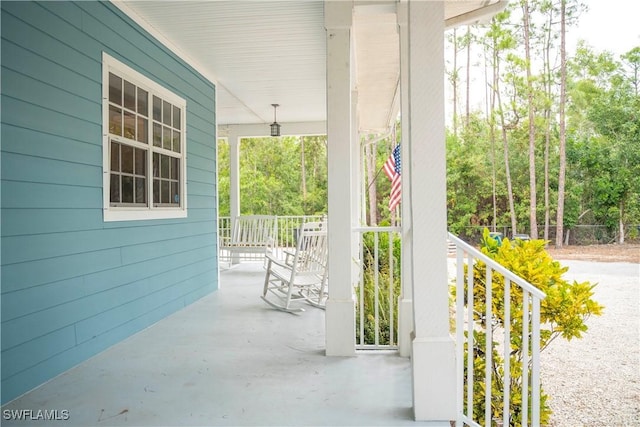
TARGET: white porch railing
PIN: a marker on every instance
(378, 289)
(377, 296)
(468, 321)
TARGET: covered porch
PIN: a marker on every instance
(345, 69)
(228, 359)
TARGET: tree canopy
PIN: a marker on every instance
(550, 129)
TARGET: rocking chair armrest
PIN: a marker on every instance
(275, 260)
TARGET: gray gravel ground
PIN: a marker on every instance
(595, 381)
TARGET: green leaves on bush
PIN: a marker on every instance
(563, 313)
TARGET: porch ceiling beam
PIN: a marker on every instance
(477, 15)
(364, 7)
(262, 129)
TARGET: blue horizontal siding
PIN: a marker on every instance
(21, 26)
(20, 221)
(28, 63)
(24, 275)
(49, 146)
(200, 175)
(49, 245)
(202, 188)
(123, 301)
(41, 372)
(21, 302)
(111, 318)
(17, 85)
(111, 29)
(202, 146)
(23, 356)
(202, 164)
(72, 284)
(18, 167)
(37, 195)
(36, 118)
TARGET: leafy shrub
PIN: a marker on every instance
(562, 314)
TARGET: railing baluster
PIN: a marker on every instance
(506, 380)
(488, 389)
(470, 346)
(391, 290)
(459, 331)
(525, 358)
(376, 290)
(361, 293)
(535, 369)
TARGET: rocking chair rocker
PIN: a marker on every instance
(302, 275)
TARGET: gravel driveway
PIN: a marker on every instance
(595, 381)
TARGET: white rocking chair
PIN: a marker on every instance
(302, 275)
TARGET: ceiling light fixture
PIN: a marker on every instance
(275, 126)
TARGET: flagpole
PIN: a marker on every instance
(375, 177)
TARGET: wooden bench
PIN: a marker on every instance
(250, 238)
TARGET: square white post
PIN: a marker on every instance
(340, 307)
(234, 174)
(405, 304)
(234, 182)
(433, 349)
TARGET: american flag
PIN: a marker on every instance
(392, 170)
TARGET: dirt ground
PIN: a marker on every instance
(602, 253)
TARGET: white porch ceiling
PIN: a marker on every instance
(265, 52)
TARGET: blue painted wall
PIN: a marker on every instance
(73, 285)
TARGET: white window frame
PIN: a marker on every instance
(128, 213)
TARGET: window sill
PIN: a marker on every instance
(133, 214)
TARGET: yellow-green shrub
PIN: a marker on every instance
(562, 314)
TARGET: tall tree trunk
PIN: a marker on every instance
(505, 140)
(547, 201)
(621, 223)
(454, 83)
(490, 106)
(563, 131)
(532, 128)
(468, 101)
(547, 118)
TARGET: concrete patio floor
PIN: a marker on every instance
(228, 360)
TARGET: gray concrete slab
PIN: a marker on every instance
(228, 360)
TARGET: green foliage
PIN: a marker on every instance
(468, 173)
(223, 178)
(602, 110)
(563, 313)
(606, 160)
(271, 180)
(387, 296)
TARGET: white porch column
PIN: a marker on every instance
(356, 178)
(340, 307)
(234, 180)
(405, 305)
(234, 174)
(433, 349)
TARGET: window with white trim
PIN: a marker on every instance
(144, 146)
